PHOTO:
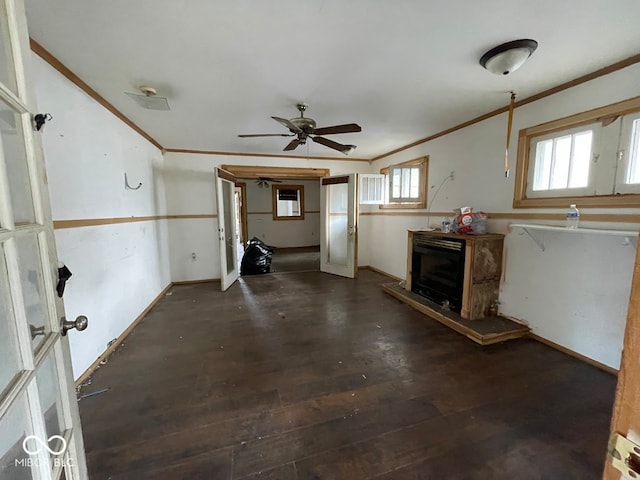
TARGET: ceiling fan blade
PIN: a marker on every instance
(292, 145)
(346, 128)
(346, 149)
(288, 124)
(247, 135)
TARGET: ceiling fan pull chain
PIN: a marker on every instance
(506, 153)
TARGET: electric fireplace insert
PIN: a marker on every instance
(438, 270)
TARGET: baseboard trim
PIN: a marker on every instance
(193, 282)
(87, 373)
(381, 272)
(571, 353)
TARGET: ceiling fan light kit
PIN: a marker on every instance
(508, 57)
(304, 127)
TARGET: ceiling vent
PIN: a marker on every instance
(149, 99)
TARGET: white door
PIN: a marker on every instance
(338, 225)
(227, 227)
(40, 435)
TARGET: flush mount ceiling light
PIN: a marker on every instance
(149, 99)
(508, 57)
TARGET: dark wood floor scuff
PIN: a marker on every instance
(307, 376)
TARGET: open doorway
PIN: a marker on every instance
(281, 207)
(302, 212)
(285, 213)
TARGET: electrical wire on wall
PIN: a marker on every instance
(435, 195)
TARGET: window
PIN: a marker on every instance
(562, 160)
(633, 174)
(406, 184)
(372, 188)
(591, 159)
(288, 202)
(628, 180)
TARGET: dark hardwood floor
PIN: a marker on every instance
(309, 376)
(296, 259)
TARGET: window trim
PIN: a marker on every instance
(423, 164)
(627, 135)
(601, 114)
(274, 200)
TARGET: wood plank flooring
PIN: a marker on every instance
(301, 259)
(308, 376)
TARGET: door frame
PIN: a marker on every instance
(286, 173)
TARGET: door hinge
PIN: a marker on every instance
(625, 455)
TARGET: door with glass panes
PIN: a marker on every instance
(40, 435)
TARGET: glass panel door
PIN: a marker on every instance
(40, 434)
(338, 225)
(227, 228)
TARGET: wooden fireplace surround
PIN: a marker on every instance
(482, 270)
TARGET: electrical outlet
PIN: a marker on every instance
(452, 175)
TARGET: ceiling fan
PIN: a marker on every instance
(263, 182)
(303, 128)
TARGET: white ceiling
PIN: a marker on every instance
(402, 69)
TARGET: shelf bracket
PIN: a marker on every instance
(537, 241)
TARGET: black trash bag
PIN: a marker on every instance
(257, 258)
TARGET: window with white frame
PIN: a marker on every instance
(590, 159)
(288, 202)
(406, 184)
(372, 188)
(628, 179)
(562, 161)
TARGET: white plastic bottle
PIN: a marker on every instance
(573, 216)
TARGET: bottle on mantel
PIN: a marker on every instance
(573, 216)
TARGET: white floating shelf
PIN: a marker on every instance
(630, 235)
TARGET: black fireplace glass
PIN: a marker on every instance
(438, 270)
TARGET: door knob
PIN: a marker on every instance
(80, 324)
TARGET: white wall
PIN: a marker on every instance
(117, 269)
(190, 190)
(283, 233)
(548, 290)
(576, 292)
